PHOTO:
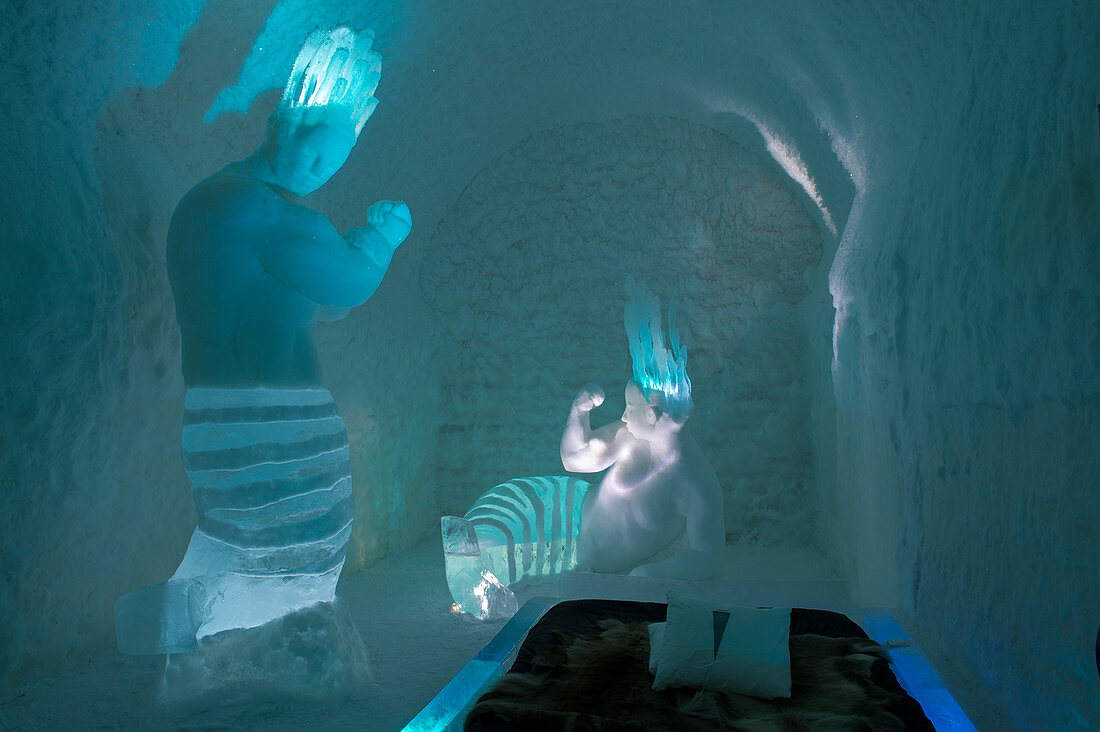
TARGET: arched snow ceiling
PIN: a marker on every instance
(463, 83)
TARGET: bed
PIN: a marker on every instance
(584, 666)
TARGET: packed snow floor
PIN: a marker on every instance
(416, 644)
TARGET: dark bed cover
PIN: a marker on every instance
(583, 617)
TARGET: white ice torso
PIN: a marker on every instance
(635, 512)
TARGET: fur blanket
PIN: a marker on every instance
(604, 683)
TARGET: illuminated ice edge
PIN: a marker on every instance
(916, 674)
(447, 710)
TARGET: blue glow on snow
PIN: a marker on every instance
(274, 48)
(917, 676)
(337, 72)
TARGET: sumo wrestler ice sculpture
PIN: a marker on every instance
(657, 512)
(263, 446)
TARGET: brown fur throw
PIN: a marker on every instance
(604, 683)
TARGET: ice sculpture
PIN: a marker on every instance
(264, 448)
(522, 528)
(657, 512)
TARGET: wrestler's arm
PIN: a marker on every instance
(584, 450)
(300, 248)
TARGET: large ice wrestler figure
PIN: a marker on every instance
(657, 511)
(252, 272)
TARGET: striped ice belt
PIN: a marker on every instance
(270, 473)
(530, 525)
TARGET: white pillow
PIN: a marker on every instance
(656, 640)
(722, 648)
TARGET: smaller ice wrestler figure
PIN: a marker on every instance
(658, 511)
(266, 452)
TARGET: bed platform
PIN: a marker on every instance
(545, 627)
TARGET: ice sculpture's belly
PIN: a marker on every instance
(270, 475)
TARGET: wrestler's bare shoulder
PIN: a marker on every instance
(229, 194)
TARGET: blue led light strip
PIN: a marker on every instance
(916, 674)
(447, 710)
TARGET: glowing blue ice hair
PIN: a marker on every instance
(656, 368)
(333, 80)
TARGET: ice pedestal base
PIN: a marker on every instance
(160, 618)
(312, 653)
(171, 616)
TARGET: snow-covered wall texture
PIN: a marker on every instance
(528, 273)
(968, 374)
(87, 364)
(952, 146)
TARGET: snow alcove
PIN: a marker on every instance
(879, 228)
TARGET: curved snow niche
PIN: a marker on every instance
(549, 151)
(527, 271)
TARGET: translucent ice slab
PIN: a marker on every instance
(474, 588)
